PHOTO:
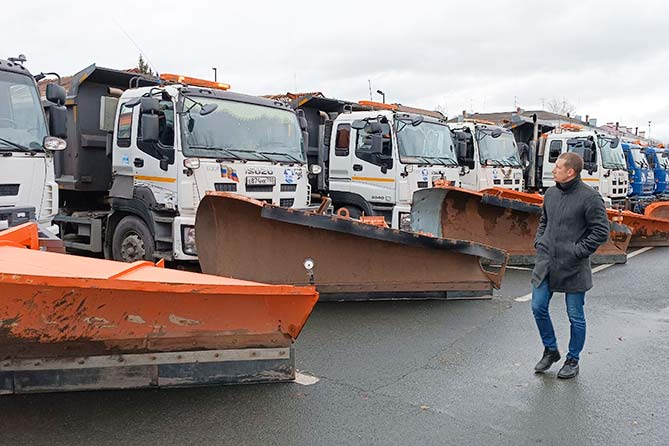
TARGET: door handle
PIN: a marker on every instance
(357, 167)
(138, 162)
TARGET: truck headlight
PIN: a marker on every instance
(188, 240)
(405, 221)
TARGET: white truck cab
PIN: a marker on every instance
(28, 189)
(170, 143)
(379, 158)
(371, 157)
(604, 162)
(488, 156)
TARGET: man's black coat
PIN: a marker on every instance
(573, 225)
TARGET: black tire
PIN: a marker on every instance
(132, 240)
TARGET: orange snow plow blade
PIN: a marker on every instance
(249, 239)
(75, 323)
(650, 229)
(497, 217)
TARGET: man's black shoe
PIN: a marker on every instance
(550, 357)
(569, 369)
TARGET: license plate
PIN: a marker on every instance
(260, 181)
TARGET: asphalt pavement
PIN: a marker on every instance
(411, 373)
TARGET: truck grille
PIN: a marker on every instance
(288, 187)
(422, 184)
(225, 187)
(9, 190)
(286, 202)
(259, 188)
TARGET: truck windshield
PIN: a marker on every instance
(22, 125)
(639, 158)
(612, 158)
(662, 160)
(427, 143)
(237, 130)
(497, 149)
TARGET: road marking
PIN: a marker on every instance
(520, 268)
(597, 269)
(305, 380)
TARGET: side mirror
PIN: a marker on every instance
(57, 120)
(615, 143)
(55, 93)
(150, 128)
(377, 144)
(359, 124)
(54, 144)
(150, 105)
(303, 123)
(164, 163)
(496, 133)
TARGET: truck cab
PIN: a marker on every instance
(604, 162)
(641, 176)
(28, 190)
(373, 157)
(658, 160)
(488, 156)
(168, 144)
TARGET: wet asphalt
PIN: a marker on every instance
(411, 372)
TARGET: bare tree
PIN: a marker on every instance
(144, 67)
(561, 107)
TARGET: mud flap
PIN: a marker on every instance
(491, 219)
(251, 240)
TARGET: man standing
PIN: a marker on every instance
(573, 225)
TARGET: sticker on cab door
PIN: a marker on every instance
(289, 176)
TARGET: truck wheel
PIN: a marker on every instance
(349, 212)
(132, 240)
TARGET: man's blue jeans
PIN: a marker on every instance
(541, 298)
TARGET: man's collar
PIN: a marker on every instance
(569, 185)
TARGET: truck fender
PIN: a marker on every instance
(340, 199)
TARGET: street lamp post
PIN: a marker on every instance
(215, 74)
(383, 95)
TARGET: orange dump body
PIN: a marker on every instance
(56, 305)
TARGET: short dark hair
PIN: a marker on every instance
(572, 161)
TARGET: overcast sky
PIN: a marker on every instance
(610, 59)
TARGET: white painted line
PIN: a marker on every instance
(639, 251)
(520, 268)
(305, 380)
(597, 269)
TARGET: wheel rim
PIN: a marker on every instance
(132, 248)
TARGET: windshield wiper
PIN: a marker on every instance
(254, 153)
(441, 160)
(229, 152)
(287, 155)
(16, 145)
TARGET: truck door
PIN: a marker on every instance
(341, 149)
(153, 161)
(553, 151)
(373, 174)
(467, 160)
